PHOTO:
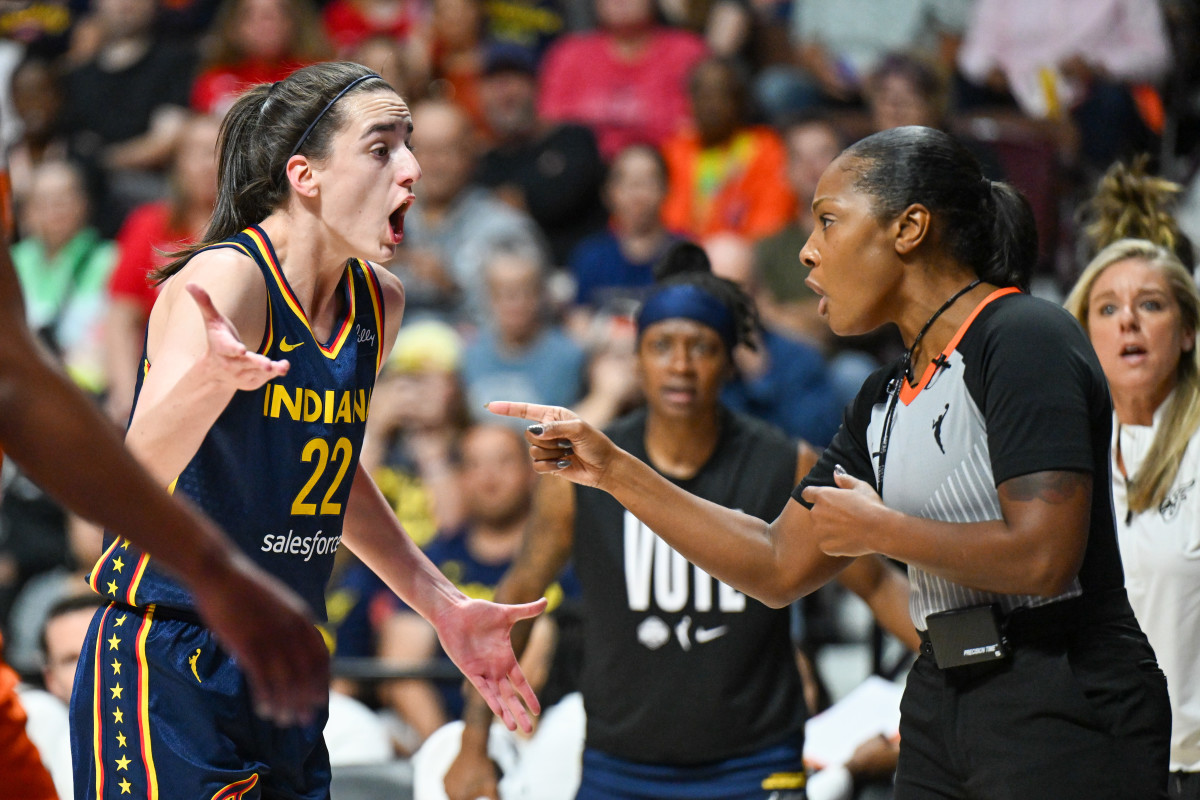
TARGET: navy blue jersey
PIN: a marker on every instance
(275, 469)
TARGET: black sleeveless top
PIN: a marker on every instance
(678, 667)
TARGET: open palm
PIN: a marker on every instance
(235, 365)
(477, 637)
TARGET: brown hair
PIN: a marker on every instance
(1129, 203)
(256, 142)
(307, 42)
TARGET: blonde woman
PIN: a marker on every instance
(1141, 310)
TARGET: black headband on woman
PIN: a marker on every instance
(323, 112)
(689, 301)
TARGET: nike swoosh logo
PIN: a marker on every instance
(287, 348)
(705, 635)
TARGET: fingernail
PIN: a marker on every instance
(838, 469)
(536, 429)
(564, 443)
(562, 463)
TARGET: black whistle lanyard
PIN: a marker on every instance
(889, 418)
(885, 437)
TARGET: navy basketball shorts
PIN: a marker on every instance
(160, 711)
(773, 773)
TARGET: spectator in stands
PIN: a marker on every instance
(417, 416)
(403, 67)
(62, 640)
(812, 142)
(781, 380)
(125, 107)
(1132, 202)
(534, 25)
(729, 27)
(615, 267)
(255, 41)
(456, 54)
(552, 170)
(786, 303)
(837, 45)
(41, 28)
(907, 90)
(448, 233)
(30, 609)
(520, 353)
(612, 384)
(627, 80)
(63, 265)
(1068, 58)
(349, 23)
(150, 233)
(37, 96)
(498, 490)
(724, 174)
(48, 726)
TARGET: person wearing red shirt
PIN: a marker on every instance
(256, 41)
(150, 233)
(349, 23)
(627, 80)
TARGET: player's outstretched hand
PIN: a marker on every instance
(270, 632)
(560, 442)
(476, 634)
(236, 365)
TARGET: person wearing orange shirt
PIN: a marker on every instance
(723, 174)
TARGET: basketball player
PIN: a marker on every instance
(67, 446)
(259, 416)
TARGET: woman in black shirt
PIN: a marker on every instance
(979, 459)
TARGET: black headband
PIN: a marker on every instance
(316, 119)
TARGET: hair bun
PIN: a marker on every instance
(682, 258)
(1130, 203)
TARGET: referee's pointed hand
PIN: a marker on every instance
(561, 443)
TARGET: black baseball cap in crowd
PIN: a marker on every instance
(508, 57)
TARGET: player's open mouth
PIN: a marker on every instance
(396, 220)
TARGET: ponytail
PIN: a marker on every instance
(1014, 238)
(985, 225)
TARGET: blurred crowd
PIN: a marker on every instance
(565, 145)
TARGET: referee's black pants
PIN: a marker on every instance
(1078, 712)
